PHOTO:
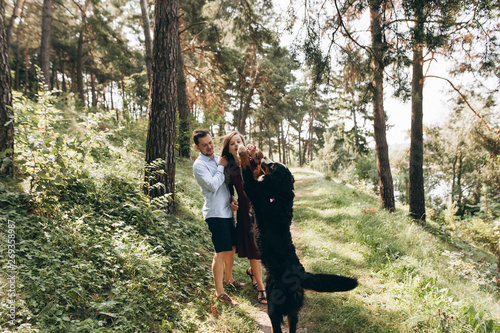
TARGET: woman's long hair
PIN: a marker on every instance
(231, 167)
(225, 144)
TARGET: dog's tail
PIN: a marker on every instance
(328, 282)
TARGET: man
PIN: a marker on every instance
(208, 169)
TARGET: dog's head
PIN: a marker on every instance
(275, 178)
(275, 181)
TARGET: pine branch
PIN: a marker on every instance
(488, 126)
(341, 23)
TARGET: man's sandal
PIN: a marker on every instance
(254, 284)
(261, 297)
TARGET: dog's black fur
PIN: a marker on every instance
(272, 199)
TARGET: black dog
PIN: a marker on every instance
(272, 199)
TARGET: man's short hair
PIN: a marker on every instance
(198, 134)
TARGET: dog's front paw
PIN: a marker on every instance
(241, 149)
(243, 155)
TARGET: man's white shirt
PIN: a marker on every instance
(210, 176)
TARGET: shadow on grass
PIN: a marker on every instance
(333, 313)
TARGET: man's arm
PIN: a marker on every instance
(206, 180)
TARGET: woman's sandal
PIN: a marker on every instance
(262, 299)
(254, 284)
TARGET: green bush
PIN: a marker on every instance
(94, 253)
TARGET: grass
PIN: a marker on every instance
(407, 275)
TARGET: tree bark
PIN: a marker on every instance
(379, 126)
(94, 93)
(160, 143)
(147, 39)
(18, 49)
(79, 68)
(300, 146)
(46, 36)
(460, 205)
(17, 5)
(416, 174)
(6, 113)
(80, 61)
(183, 104)
(63, 73)
(283, 142)
(245, 108)
(311, 128)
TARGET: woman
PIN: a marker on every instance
(245, 242)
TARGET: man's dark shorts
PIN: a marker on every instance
(223, 233)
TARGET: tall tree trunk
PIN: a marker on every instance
(459, 186)
(18, 4)
(311, 128)
(73, 78)
(416, 194)
(18, 49)
(300, 145)
(379, 126)
(270, 149)
(80, 61)
(453, 188)
(245, 109)
(283, 142)
(6, 131)
(53, 77)
(92, 86)
(355, 129)
(125, 106)
(104, 103)
(26, 70)
(498, 269)
(305, 152)
(88, 96)
(183, 105)
(111, 96)
(279, 145)
(46, 36)
(147, 39)
(63, 72)
(260, 134)
(160, 143)
(79, 67)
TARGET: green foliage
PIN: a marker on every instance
(450, 213)
(93, 253)
(366, 167)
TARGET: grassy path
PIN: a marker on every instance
(326, 218)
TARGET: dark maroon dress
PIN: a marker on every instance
(245, 241)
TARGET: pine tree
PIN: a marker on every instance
(379, 123)
(6, 114)
(160, 142)
(46, 37)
